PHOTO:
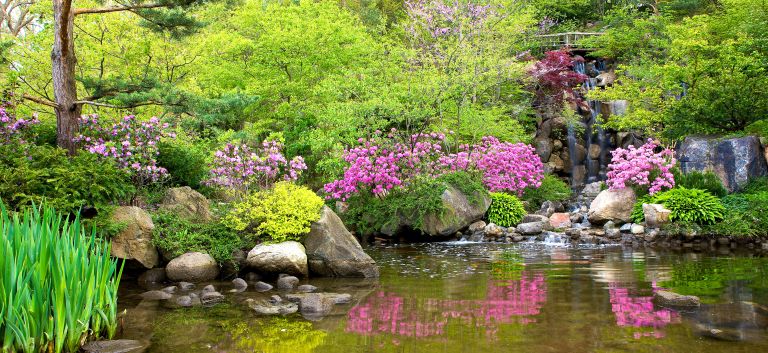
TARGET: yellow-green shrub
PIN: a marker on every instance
(281, 213)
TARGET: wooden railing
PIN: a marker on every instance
(566, 39)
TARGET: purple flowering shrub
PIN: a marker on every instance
(12, 129)
(239, 169)
(383, 163)
(131, 143)
(642, 167)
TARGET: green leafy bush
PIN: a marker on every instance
(745, 215)
(281, 213)
(176, 236)
(506, 210)
(65, 183)
(185, 161)
(691, 205)
(638, 216)
(369, 214)
(701, 180)
(756, 185)
(552, 189)
(58, 283)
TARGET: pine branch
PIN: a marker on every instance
(118, 8)
(39, 100)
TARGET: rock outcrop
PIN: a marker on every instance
(612, 205)
(333, 251)
(187, 203)
(734, 160)
(287, 257)
(134, 242)
(459, 213)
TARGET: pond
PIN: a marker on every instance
(480, 297)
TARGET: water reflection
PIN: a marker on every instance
(515, 301)
(639, 311)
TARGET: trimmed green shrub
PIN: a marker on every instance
(701, 180)
(506, 210)
(368, 214)
(691, 205)
(552, 189)
(58, 283)
(281, 213)
(176, 236)
(65, 183)
(185, 161)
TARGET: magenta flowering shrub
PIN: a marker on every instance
(12, 129)
(636, 166)
(382, 163)
(131, 143)
(238, 168)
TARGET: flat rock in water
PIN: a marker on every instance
(666, 298)
(170, 289)
(114, 346)
(287, 283)
(209, 288)
(211, 298)
(262, 287)
(240, 284)
(336, 298)
(156, 295)
(184, 300)
(186, 286)
(264, 307)
(306, 288)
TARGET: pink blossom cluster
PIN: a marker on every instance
(11, 128)
(634, 166)
(130, 142)
(382, 163)
(238, 168)
(442, 19)
(639, 311)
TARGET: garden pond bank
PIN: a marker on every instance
(471, 297)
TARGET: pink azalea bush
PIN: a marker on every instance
(382, 163)
(636, 166)
(238, 168)
(131, 143)
(12, 129)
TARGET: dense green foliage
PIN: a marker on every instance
(175, 236)
(185, 161)
(58, 283)
(690, 205)
(701, 180)
(552, 189)
(506, 210)
(45, 173)
(281, 213)
(409, 207)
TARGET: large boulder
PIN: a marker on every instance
(612, 205)
(187, 203)
(655, 215)
(192, 267)
(333, 251)
(134, 242)
(734, 160)
(459, 213)
(287, 257)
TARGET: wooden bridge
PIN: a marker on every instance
(566, 39)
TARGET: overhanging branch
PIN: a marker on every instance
(118, 8)
(39, 100)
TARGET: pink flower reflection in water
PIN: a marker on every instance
(638, 311)
(505, 302)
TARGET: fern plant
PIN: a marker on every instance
(691, 205)
(506, 210)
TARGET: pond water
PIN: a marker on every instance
(465, 297)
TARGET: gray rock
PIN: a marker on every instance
(306, 288)
(187, 203)
(264, 307)
(331, 250)
(612, 205)
(458, 213)
(193, 267)
(170, 289)
(316, 304)
(152, 276)
(477, 226)
(240, 284)
(656, 215)
(211, 298)
(286, 257)
(156, 295)
(637, 229)
(336, 298)
(134, 242)
(535, 218)
(274, 299)
(184, 301)
(591, 190)
(543, 148)
(209, 288)
(666, 298)
(626, 228)
(734, 160)
(548, 208)
(115, 346)
(186, 286)
(493, 230)
(531, 228)
(287, 283)
(262, 287)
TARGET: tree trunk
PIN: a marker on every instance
(64, 85)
